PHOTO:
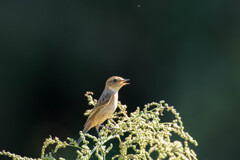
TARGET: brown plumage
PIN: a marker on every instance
(106, 104)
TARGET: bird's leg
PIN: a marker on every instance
(108, 127)
(97, 127)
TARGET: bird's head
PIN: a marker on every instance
(115, 83)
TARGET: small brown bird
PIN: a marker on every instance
(106, 104)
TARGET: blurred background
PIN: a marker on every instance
(184, 52)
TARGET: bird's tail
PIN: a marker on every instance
(79, 140)
(85, 130)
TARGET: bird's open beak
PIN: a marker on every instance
(124, 82)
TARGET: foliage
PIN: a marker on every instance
(141, 135)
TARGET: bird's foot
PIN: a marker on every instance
(112, 129)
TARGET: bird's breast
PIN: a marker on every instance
(106, 111)
(112, 105)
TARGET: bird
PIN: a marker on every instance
(106, 105)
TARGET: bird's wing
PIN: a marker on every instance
(103, 100)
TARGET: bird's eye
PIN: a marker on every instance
(114, 80)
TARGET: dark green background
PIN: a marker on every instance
(185, 52)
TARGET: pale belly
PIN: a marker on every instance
(105, 112)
